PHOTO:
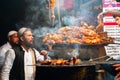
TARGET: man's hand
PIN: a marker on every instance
(117, 68)
(43, 52)
(100, 16)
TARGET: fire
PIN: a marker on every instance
(51, 6)
(72, 61)
(52, 3)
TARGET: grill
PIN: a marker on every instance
(90, 55)
(66, 72)
(86, 70)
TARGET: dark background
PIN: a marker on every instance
(11, 13)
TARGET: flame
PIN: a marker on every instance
(52, 3)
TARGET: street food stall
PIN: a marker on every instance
(71, 58)
(75, 41)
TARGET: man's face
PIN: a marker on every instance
(14, 39)
(117, 20)
(28, 38)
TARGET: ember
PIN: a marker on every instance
(72, 61)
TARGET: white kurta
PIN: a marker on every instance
(27, 61)
(28, 69)
(3, 50)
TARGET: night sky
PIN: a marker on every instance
(11, 13)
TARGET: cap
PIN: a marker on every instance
(11, 33)
(22, 30)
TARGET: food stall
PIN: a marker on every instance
(76, 44)
(72, 59)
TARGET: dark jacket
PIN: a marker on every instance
(17, 71)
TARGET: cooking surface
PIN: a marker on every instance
(82, 64)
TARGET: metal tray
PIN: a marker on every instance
(79, 45)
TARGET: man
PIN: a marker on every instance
(11, 42)
(115, 13)
(20, 61)
(112, 69)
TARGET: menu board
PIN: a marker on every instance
(112, 28)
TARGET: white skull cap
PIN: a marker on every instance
(22, 30)
(10, 33)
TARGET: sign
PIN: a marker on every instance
(112, 28)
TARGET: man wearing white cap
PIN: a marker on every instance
(11, 42)
(18, 60)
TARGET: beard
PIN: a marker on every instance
(28, 44)
(13, 44)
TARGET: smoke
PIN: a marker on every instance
(67, 13)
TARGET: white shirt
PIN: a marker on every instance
(27, 61)
(3, 50)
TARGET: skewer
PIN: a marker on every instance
(98, 58)
(108, 59)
